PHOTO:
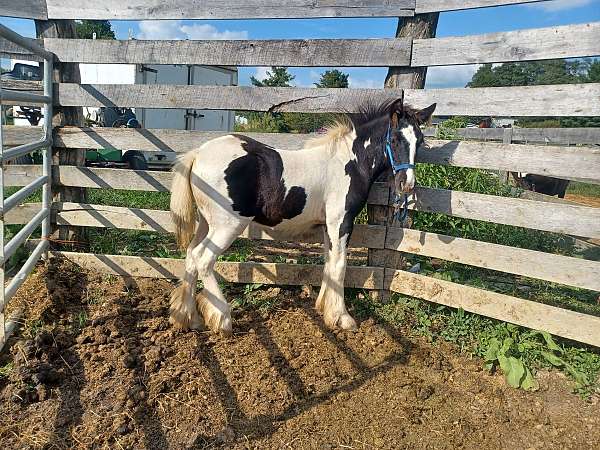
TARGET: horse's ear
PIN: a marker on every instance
(396, 112)
(424, 115)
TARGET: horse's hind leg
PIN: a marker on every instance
(183, 312)
(211, 302)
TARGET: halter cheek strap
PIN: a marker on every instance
(390, 155)
(401, 212)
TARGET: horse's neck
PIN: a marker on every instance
(372, 161)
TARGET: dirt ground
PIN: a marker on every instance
(105, 370)
(584, 200)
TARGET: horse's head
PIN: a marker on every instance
(403, 138)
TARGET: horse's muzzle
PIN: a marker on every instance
(404, 181)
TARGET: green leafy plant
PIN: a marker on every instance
(6, 369)
(515, 353)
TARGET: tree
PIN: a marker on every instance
(277, 77)
(87, 28)
(333, 79)
(593, 73)
(557, 71)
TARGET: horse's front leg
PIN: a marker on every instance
(330, 301)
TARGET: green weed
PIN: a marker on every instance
(516, 351)
(584, 189)
(240, 251)
(6, 369)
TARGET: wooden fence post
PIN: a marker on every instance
(506, 139)
(65, 73)
(418, 27)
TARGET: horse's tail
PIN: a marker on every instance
(183, 209)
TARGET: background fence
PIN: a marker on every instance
(551, 159)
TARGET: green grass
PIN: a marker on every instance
(515, 351)
(6, 369)
(129, 199)
(584, 189)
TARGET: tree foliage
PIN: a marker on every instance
(333, 79)
(557, 71)
(276, 77)
(291, 122)
(87, 28)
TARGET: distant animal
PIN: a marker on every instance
(232, 181)
(542, 184)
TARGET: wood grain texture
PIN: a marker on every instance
(568, 219)
(22, 214)
(103, 216)
(570, 41)
(579, 162)
(26, 9)
(221, 97)
(582, 162)
(529, 263)
(557, 218)
(14, 135)
(425, 6)
(65, 115)
(550, 136)
(179, 141)
(558, 321)
(32, 87)
(86, 215)
(226, 9)
(560, 100)
(289, 53)
(11, 50)
(234, 272)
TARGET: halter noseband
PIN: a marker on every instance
(401, 212)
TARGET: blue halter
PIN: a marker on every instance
(401, 213)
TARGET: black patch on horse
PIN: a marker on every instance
(255, 184)
(355, 198)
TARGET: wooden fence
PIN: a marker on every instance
(581, 162)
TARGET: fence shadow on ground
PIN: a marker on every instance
(252, 428)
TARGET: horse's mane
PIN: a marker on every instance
(334, 133)
(349, 123)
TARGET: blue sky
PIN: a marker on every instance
(458, 23)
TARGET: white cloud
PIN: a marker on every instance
(364, 83)
(175, 29)
(450, 76)
(314, 75)
(261, 73)
(561, 5)
(160, 29)
(206, 31)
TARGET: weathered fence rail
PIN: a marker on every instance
(526, 45)
(549, 136)
(569, 100)
(232, 9)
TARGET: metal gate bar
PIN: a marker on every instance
(43, 217)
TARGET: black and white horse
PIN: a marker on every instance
(231, 181)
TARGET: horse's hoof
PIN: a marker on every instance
(185, 322)
(216, 320)
(341, 322)
(226, 328)
(347, 323)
